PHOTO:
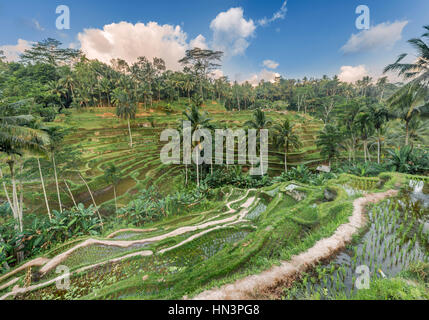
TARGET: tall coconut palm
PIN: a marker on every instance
(57, 89)
(111, 176)
(188, 86)
(16, 140)
(328, 140)
(365, 126)
(285, 137)
(259, 122)
(380, 116)
(56, 137)
(407, 103)
(381, 85)
(418, 133)
(125, 108)
(417, 71)
(198, 121)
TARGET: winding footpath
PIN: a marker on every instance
(246, 288)
(240, 290)
(48, 265)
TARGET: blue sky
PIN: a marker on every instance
(305, 40)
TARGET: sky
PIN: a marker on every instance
(260, 39)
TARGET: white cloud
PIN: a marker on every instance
(280, 14)
(12, 52)
(383, 35)
(270, 64)
(231, 32)
(216, 74)
(199, 42)
(37, 25)
(352, 74)
(265, 75)
(130, 41)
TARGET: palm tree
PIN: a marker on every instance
(418, 133)
(366, 128)
(18, 139)
(259, 122)
(328, 141)
(407, 103)
(417, 71)
(198, 121)
(111, 175)
(381, 84)
(69, 84)
(380, 116)
(56, 137)
(286, 138)
(125, 108)
(58, 90)
(189, 85)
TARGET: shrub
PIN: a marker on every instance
(362, 169)
(408, 160)
(40, 233)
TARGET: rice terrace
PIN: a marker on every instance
(293, 173)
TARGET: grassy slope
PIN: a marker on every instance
(103, 139)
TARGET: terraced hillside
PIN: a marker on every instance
(104, 140)
(244, 232)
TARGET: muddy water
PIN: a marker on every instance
(387, 248)
(107, 194)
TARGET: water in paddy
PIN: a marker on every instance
(272, 192)
(205, 247)
(102, 196)
(127, 235)
(256, 211)
(397, 237)
(97, 253)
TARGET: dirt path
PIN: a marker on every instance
(57, 260)
(49, 264)
(246, 288)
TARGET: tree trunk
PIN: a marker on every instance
(364, 150)
(198, 176)
(71, 194)
(21, 198)
(286, 160)
(15, 195)
(92, 197)
(56, 182)
(44, 190)
(407, 133)
(198, 172)
(131, 137)
(5, 264)
(11, 204)
(378, 149)
(186, 174)
(114, 193)
(19, 253)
